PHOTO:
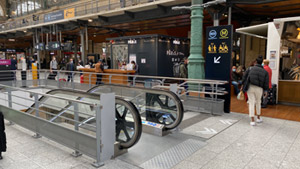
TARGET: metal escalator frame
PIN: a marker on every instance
(119, 100)
(170, 94)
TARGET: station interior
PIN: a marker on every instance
(140, 84)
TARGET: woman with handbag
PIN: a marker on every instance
(255, 81)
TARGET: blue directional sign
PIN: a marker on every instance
(218, 57)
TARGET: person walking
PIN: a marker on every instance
(255, 82)
(53, 68)
(70, 67)
(99, 67)
(2, 136)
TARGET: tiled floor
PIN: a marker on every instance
(274, 144)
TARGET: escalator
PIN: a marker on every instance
(154, 105)
(128, 120)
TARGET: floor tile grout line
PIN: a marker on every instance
(266, 143)
(289, 148)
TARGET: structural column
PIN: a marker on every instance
(82, 49)
(196, 60)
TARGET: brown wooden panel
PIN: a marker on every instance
(289, 91)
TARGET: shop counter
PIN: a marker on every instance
(288, 91)
(115, 79)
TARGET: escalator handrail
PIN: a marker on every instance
(170, 94)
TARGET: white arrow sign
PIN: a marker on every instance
(207, 131)
(217, 60)
(226, 122)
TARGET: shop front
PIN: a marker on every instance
(283, 52)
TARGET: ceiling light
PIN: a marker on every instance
(95, 35)
(138, 32)
(25, 31)
(11, 40)
(90, 20)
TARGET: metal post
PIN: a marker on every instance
(98, 163)
(82, 38)
(229, 15)
(76, 127)
(36, 103)
(196, 60)
(9, 102)
(90, 80)
(72, 81)
(216, 19)
(58, 82)
(110, 76)
(133, 83)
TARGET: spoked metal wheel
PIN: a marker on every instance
(163, 110)
(128, 124)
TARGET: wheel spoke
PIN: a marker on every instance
(126, 134)
(129, 124)
(118, 114)
(125, 113)
(167, 101)
(118, 131)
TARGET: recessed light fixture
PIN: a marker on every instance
(90, 20)
(95, 35)
(11, 40)
(25, 31)
(138, 32)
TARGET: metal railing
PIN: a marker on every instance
(208, 91)
(81, 10)
(65, 128)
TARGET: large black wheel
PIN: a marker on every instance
(163, 110)
(128, 124)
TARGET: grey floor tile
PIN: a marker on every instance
(259, 163)
(289, 165)
(201, 157)
(217, 146)
(187, 165)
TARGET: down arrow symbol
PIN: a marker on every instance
(217, 60)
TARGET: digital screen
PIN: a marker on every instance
(54, 46)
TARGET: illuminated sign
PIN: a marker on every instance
(132, 41)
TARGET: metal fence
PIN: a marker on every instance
(198, 95)
(81, 10)
(37, 112)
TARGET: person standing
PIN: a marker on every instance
(13, 67)
(255, 82)
(2, 136)
(183, 68)
(236, 80)
(183, 72)
(23, 72)
(53, 68)
(99, 67)
(269, 70)
(70, 68)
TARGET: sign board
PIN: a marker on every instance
(218, 57)
(40, 46)
(5, 62)
(54, 16)
(69, 13)
(54, 46)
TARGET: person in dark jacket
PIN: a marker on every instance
(70, 68)
(258, 82)
(2, 135)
